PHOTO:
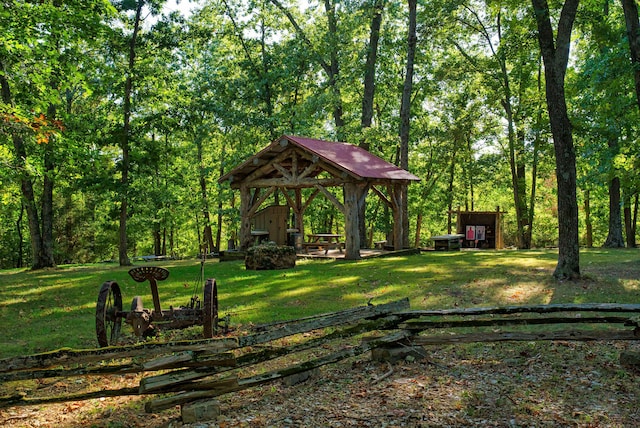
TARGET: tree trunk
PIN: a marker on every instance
(587, 218)
(20, 252)
(418, 230)
(516, 152)
(26, 184)
(334, 67)
(630, 219)
(370, 69)
(614, 238)
(405, 115)
(207, 244)
(555, 54)
(632, 22)
(126, 130)
(452, 169)
(537, 142)
(469, 175)
(368, 97)
(48, 180)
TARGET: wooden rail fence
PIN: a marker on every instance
(193, 370)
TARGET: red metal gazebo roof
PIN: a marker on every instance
(351, 159)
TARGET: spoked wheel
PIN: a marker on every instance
(210, 308)
(108, 313)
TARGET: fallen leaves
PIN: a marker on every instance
(503, 384)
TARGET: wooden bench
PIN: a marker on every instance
(379, 245)
(155, 258)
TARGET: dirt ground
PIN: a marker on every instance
(541, 384)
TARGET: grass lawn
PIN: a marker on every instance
(50, 309)
(537, 384)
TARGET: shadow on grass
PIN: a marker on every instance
(49, 309)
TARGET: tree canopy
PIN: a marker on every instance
(117, 118)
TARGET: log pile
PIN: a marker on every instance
(194, 370)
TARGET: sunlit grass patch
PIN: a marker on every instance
(64, 299)
(526, 292)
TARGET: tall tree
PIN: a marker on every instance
(370, 69)
(555, 54)
(368, 99)
(405, 111)
(605, 120)
(330, 66)
(632, 22)
(40, 44)
(126, 136)
(125, 139)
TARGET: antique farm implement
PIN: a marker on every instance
(145, 322)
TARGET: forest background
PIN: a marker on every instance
(117, 118)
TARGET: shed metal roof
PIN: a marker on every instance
(352, 159)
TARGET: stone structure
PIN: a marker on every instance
(270, 256)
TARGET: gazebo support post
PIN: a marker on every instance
(354, 194)
(397, 193)
(245, 217)
(299, 217)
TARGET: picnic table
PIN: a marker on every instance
(447, 242)
(324, 241)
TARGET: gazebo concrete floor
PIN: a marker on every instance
(365, 253)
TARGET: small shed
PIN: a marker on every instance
(291, 163)
(481, 229)
(273, 220)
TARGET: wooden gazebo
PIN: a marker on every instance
(290, 164)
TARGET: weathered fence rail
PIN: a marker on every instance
(195, 359)
(575, 314)
(194, 370)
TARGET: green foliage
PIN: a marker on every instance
(216, 87)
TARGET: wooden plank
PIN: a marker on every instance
(567, 335)
(215, 388)
(190, 359)
(177, 379)
(82, 370)
(68, 356)
(568, 307)
(349, 315)
(20, 400)
(424, 325)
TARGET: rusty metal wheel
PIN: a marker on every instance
(210, 308)
(108, 313)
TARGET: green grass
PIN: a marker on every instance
(50, 309)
